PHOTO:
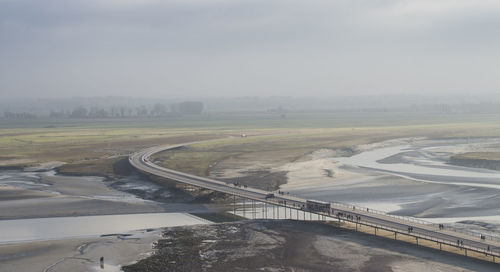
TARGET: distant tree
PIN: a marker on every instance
(93, 112)
(141, 111)
(96, 112)
(188, 107)
(115, 111)
(159, 110)
(122, 112)
(56, 114)
(18, 115)
(79, 112)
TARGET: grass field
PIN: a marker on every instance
(92, 146)
(86, 146)
(290, 145)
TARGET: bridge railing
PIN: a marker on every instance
(429, 237)
(473, 233)
(374, 211)
(418, 233)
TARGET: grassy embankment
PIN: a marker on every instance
(88, 148)
(281, 146)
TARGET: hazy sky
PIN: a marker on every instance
(250, 47)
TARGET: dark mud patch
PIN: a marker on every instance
(285, 245)
(475, 163)
(107, 168)
(145, 188)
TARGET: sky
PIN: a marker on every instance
(166, 48)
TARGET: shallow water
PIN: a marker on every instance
(416, 166)
(414, 179)
(127, 189)
(65, 227)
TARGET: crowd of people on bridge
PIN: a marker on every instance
(237, 184)
(347, 216)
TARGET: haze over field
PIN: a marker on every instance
(198, 48)
(364, 133)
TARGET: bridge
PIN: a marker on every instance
(466, 241)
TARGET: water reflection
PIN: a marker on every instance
(64, 227)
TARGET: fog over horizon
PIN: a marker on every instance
(222, 48)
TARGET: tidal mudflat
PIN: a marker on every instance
(293, 246)
(410, 177)
(53, 222)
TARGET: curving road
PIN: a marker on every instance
(141, 161)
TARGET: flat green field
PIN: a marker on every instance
(290, 145)
(86, 143)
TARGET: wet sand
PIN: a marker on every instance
(294, 246)
(31, 200)
(406, 177)
(77, 255)
(21, 230)
(44, 194)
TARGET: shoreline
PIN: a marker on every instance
(78, 254)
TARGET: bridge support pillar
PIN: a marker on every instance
(356, 226)
(440, 246)
(375, 231)
(254, 210)
(244, 202)
(416, 239)
(234, 204)
(395, 235)
(265, 209)
(465, 252)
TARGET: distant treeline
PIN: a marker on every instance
(18, 115)
(157, 110)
